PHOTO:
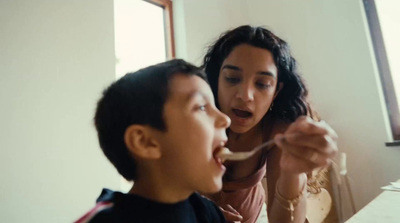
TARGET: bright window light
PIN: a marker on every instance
(139, 41)
(139, 35)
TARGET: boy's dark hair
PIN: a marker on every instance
(291, 101)
(136, 98)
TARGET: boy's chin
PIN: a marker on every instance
(216, 187)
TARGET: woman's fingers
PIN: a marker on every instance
(231, 209)
(323, 144)
(307, 144)
(305, 154)
(309, 149)
(306, 125)
(305, 132)
(231, 214)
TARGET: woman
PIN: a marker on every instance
(255, 82)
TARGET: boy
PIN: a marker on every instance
(160, 128)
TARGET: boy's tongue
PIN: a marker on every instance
(241, 113)
(215, 155)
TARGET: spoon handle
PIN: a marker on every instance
(268, 144)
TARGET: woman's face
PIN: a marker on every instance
(247, 85)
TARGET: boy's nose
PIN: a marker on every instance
(223, 121)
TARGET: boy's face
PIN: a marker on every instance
(195, 131)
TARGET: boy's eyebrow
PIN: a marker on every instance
(235, 68)
(194, 94)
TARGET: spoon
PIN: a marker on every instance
(226, 154)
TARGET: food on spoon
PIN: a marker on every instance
(225, 154)
(222, 154)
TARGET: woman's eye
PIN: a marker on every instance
(263, 85)
(232, 80)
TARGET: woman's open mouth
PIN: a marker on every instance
(241, 113)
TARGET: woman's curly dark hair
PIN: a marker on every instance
(291, 101)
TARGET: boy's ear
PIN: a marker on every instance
(278, 89)
(141, 143)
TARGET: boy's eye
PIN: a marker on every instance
(202, 107)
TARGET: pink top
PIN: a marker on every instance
(246, 195)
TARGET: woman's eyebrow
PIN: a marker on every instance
(267, 73)
(231, 67)
(235, 68)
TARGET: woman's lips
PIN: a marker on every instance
(242, 113)
(240, 117)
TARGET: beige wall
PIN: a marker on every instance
(331, 42)
(57, 56)
(55, 59)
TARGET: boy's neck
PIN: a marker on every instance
(160, 192)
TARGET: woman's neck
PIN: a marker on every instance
(253, 132)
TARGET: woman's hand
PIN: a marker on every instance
(230, 214)
(307, 145)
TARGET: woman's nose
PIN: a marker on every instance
(246, 93)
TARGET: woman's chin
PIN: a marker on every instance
(239, 129)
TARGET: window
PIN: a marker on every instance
(166, 5)
(143, 34)
(383, 20)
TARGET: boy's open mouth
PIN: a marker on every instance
(215, 155)
(241, 113)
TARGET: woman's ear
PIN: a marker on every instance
(141, 143)
(279, 87)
